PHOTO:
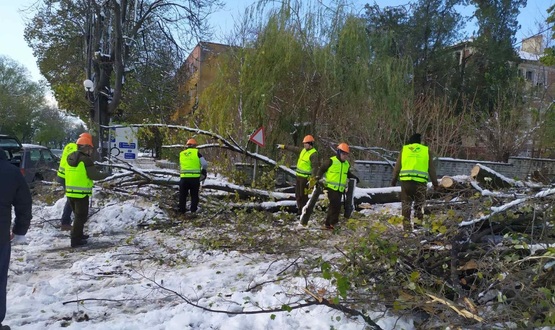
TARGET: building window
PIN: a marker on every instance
(458, 57)
(529, 75)
(540, 79)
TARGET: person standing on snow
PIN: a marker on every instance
(192, 167)
(15, 192)
(80, 173)
(307, 166)
(414, 167)
(335, 173)
(68, 149)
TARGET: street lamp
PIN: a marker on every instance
(89, 85)
(89, 88)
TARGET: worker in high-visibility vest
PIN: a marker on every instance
(307, 167)
(334, 174)
(79, 174)
(192, 171)
(68, 149)
(414, 168)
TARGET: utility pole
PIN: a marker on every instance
(99, 68)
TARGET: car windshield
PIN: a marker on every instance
(9, 142)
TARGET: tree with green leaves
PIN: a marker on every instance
(320, 70)
(423, 33)
(105, 41)
(20, 100)
(51, 128)
(491, 70)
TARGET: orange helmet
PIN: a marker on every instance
(85, 140)
(308, 139)
(86, 134)
(191, 142)
(343, 147)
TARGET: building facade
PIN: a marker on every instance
(197, 72)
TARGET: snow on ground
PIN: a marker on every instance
(115, 282)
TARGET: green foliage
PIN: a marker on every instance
(341, 282)
(115, 44)
(491, 71)
(20, 100)
(51, 129)
(286, 308)
(421, 32)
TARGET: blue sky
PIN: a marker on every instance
(14, 46)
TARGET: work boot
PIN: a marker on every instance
(85, 236)
(4, 327)
(76, 242)
(64, 228)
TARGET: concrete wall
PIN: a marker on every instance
(378, 174)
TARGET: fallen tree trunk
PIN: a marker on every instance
(377, 195)
(449, 183)
(490, 178)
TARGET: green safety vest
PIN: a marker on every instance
(336, 176)
(78, 184)
(414, 163)
(304, 166)
(189, 163)
(69, 148)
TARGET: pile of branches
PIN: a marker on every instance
(482, 257)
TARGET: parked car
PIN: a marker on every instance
(57, 152)
(37, 163)
(11, 146)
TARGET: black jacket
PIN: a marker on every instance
(15, 192)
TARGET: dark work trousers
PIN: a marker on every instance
(66, 213)
(5, 251)
(80, 207)
(301, 193)
(413, 195)
(186, 186)
(334, 208)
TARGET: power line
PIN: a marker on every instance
(534, 35)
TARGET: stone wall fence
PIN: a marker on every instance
(377, 174)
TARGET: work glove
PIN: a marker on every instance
(203, 175)
(312, 182)
(280, 146)
(19, 239)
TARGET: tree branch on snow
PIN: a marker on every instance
(283, 308)
(505, 207)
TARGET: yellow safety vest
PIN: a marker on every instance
(336, 176)
(78, 184)
(414, 163)
(69, 148)
(189, 163)
(304, 166)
